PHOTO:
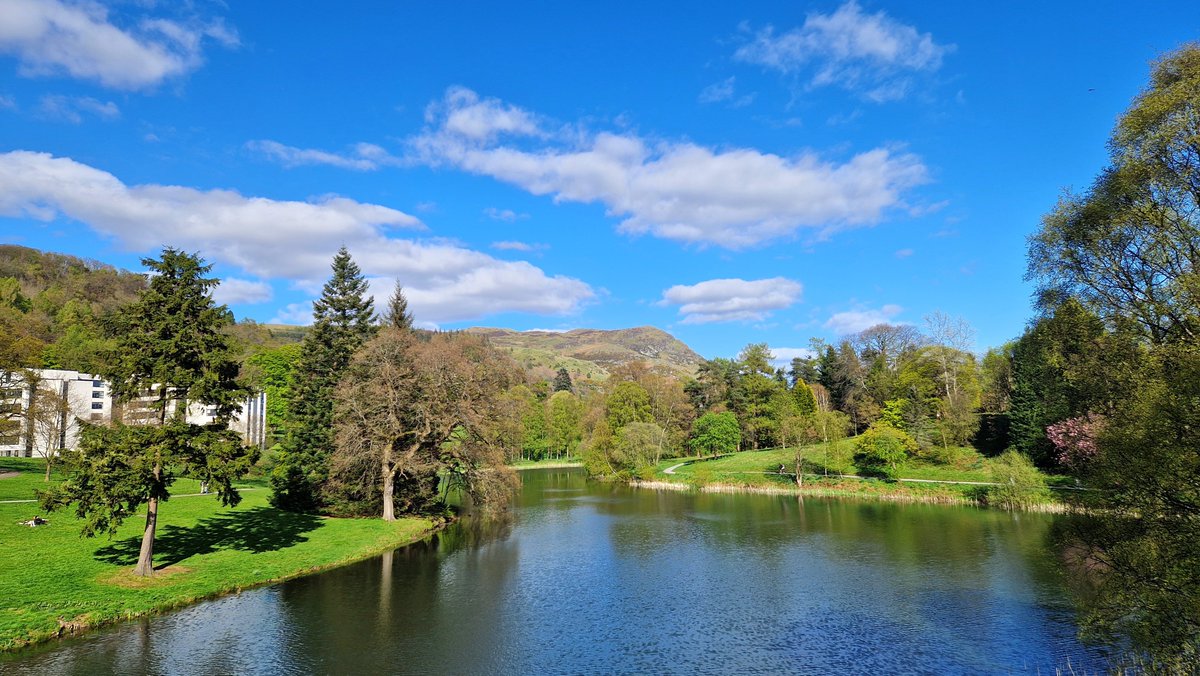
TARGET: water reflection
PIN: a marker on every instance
(585, 578)
(1137, 583)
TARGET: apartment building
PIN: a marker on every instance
(63, 398)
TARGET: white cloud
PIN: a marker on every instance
(361, 157)
(734, 198)
(718, 91)
(50, 37)
(904, 253)
(294, 313)
(872, 54)
(463, 114)
(273, 239)
(724, 90)
(783, 356)
(845, 323)
(506, 215)
(73, 108)
(732, 300)
(8, 103)
(234, 291)
(514, 246)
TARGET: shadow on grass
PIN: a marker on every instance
(257, 530)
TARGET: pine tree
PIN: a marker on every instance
(397, 315)
(562, 381)
(342, 322)
(172, 350)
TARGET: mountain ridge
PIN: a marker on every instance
(602, 349)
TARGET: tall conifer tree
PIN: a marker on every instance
(342, 322)
(397, 315)
(172, 351)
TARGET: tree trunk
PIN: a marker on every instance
(389, 481)
(145, 564)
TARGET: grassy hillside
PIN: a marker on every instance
(594, 352)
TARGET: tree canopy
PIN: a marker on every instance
(171, 353)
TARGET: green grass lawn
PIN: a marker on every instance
(51, 579)
(760, 468)
(547, 463)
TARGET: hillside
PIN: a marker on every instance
(593, 352)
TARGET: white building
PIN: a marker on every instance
(66, 397)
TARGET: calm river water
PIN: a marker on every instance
(586, 578)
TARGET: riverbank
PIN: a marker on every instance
(545, 464)
(54, 583)
(965, 480)
(817, 487)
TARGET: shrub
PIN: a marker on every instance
(1018, 483)
(882, 449)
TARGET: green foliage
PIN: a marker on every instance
(343, 321)
(628, 403)
(397, 315)
(882, 449)
(115, 470)
(1065, 366)
(562, 381)
(1019, 484)
(638, 445)
(171, 340)
(170, 345)
(564, 418)
(271, 369)
(806, 402)
(714, 433)
(1125, 254)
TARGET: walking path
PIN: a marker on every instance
(181, 495)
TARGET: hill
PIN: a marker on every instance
(594, 352)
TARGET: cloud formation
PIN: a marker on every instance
(733, 198)
(273, 239)
(732, 300)
(506, 215)
(361, 157)
(73, 108)
(783, 356)
(234, 291)
(846, 323)
(870, 54)
(51, 37)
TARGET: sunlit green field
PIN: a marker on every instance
(53, 580)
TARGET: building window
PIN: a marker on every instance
(97, 383)
(97, 405)
(97, 395)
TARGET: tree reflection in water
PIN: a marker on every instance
(1137, 584)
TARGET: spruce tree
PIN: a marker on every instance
(562, 381)
(397, 315)
(172, 351)
(342, 322)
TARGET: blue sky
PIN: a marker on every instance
(733, 173)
